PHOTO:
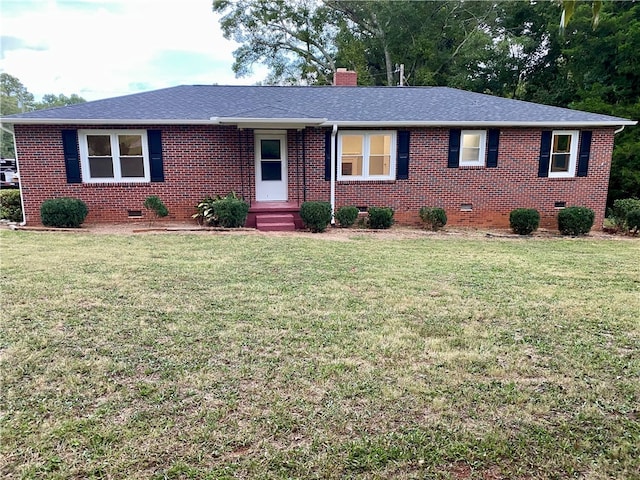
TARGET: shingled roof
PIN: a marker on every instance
(344, 106)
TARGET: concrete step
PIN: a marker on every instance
(276, 227)
(275, 222)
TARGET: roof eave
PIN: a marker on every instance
(481, 124)
(104, 121)
(318, 122)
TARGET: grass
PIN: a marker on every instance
(246, 356)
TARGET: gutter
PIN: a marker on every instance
(334, 132)
(15, 152)
(316, 122)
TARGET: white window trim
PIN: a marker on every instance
(573, 154)
(365, 155)
(481, 154)
(117, 176)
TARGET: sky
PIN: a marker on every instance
(100, 49)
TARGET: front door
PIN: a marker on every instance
(271, 167)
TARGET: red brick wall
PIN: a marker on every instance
(209, 160)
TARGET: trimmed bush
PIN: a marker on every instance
(633, 220)
(231, 212)
(316, 215)
(434, 218)
(63, 212)
(524, 221)
(10, 205)
(575, 220)
(347, 216)
(621, 209)
(158, 208)
(380, 217)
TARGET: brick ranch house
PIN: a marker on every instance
(475, 155)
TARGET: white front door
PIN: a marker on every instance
(271, 167)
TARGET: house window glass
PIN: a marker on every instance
(564, 152)
(472, 147)
(114, 156)
(366, 155)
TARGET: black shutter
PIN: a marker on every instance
(327, 155)
(545, 154)
(154, 138)
(454, 148)
(403, 155)
(494, 142)
(583, 153)
(71, 157)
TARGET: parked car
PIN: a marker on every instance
(8, 173)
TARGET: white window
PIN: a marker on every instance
(367, 155)
(472, 148)
(564, 153)
(114, 155)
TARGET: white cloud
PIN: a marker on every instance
(101, 49)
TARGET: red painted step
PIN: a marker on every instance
(275, 222)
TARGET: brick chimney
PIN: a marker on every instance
(345, 78)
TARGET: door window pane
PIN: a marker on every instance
(270, 149)
(271, 170)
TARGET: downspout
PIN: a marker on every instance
(615, 132)
(304, 166)
(15, 152)
(334, 132)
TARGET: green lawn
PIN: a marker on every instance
(251, 356)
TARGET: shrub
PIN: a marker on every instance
(434, 218)
(621, 209)
(575, 220)
(10, 205)
(158, 208)
(205, 214)
(347, 216)
(633, 220)
(229, 212)
(316, 215)
(380, 217)
(63, 212)
(524, 221)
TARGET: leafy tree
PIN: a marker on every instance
(50, 101)
(15, 98)
(294, 39)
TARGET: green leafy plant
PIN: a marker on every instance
(63, 212)
(524, 221)
(316, 215)
(230, 211)
(157, 208)
(10, 205)
(380, 217)
(621, 209)
(347, 215)
(434, 218)
(575, 220)
(633, 220)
